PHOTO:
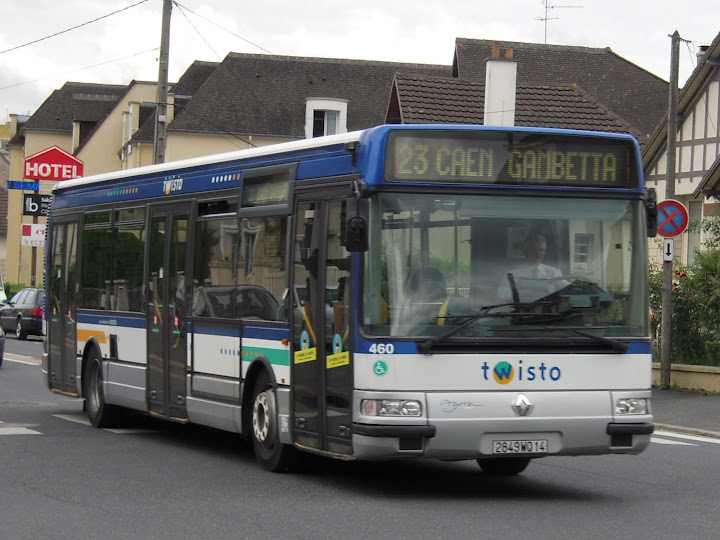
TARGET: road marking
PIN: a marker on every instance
(75, 418)
(656, 440)
(17, 430)
(82, 419)
(19, 359)
(687, 437)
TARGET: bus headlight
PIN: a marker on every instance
(390, 407)
(632, 406)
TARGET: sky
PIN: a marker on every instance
(121, 47)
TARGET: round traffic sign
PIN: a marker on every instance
(672, 218)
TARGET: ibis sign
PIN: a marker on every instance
(54, 164)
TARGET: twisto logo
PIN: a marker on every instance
(505, 372)
(171, 184)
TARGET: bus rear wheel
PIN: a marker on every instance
(503, 466)
(270, 453)
(99, 413)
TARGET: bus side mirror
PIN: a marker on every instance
(651, 212)
(356, 225)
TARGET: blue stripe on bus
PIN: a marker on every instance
(261, 332)
(410, 347)
(640, 348)
(215, 331)
(320, 168)
(112, 320)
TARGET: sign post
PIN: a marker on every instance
(672, 218)
(672, 222)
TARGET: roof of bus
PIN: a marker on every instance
(174, 166)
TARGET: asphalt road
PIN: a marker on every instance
(60, 478)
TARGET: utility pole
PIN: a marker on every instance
(162, 86)
(666, 323)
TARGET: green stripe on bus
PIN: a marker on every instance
(275, 356)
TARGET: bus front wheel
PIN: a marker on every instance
(503, 466)
(270, 453)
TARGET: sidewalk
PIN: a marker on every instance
(690, 412)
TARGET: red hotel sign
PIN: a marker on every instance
(53, 164)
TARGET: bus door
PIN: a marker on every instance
(61, 324)
(322, 362)
(168, 282)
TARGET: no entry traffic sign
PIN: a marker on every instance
(672, 218)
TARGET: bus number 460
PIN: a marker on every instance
(382, 348)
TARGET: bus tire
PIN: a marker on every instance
(503, 466)
(99, 413)
(270, 453)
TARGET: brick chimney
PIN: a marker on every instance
(500, 88)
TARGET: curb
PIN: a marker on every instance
(689, 431)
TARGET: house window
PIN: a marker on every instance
(325, 117)
(583, 245)
(325, 123)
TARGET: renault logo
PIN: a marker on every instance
(522, 405)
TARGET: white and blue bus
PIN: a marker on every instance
(408, 291)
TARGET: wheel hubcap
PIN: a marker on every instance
(94, 383)
(262, 417)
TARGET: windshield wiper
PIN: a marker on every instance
(426, 346)
(614, 344)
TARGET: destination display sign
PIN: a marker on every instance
(511, 158)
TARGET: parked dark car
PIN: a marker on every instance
(23, 313)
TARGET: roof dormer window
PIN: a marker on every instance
(325, 117)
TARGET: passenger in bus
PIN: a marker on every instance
(428, 300)
(532, 279)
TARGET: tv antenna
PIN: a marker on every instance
(547, 17)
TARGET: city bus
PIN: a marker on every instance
(448, 292)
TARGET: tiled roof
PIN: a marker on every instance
(433, 100)
(265, 95)
(75, 102)
(190, 82)
(629, 91)
(194, 77)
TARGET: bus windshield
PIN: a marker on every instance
(504, 267)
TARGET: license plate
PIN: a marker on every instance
(532, 446)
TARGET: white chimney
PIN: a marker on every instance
(500, 88)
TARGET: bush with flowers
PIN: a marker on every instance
(695, 309)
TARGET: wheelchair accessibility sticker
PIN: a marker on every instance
(306, 353)
(338, 358)
(380, 368)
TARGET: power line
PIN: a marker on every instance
(80, 69)
(72, 28)
(182, 10)
(222, 28)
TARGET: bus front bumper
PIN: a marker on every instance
(477, 425)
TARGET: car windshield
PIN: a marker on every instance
(513, 265)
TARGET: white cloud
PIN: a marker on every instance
(421, 31)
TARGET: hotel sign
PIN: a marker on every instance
(53, 164)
